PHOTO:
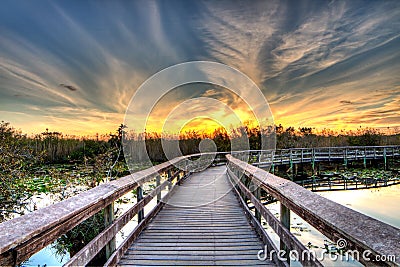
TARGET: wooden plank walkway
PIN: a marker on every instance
(202, 224)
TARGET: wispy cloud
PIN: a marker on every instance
(327, 64)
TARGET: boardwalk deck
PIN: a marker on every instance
(202, 224)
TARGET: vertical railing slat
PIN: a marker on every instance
(158, 182)
(108, 220)
(285, 220)
(139, 196)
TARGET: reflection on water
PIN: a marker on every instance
(46, 257)
(379, 203)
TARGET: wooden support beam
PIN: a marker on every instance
(139, 197)
(257, 194)
(385, 159)
(108, 220)
(285, 220)
(169, 175)
(158, 181)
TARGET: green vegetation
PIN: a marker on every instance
(309, 137)
(51, 164)
(76, 239)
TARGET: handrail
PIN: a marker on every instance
(325, 148)
(87, 253)
(335, 221)
(23, 236)
(276, 225)
(326, 154)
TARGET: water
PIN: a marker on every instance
(48, 257)
(379, 203)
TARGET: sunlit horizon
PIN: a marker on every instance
(332, 65)
(201, 127)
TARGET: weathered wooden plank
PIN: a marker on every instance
(255, 240)
(225, 253)
(194, 224)
(206, 234)
(202, 219)
(205, 228)
(183, 230)
(199, 257)
(199, 236)
(158, 247)
(193, 263)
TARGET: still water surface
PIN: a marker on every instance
(379, 203)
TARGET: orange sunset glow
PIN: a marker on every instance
(332, 66)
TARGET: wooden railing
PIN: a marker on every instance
(323, 154)
(23, 236)
(344, 183)
(335, 221)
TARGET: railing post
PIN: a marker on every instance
(302, 155)
(285, 220)
(313, 160)
(139, 196)
(365, 158)
(291, 163)
(257, 194)
(329, 154)
(384, 158)
(169, 175)
(243, 181)
(158, 183)
(108, 220)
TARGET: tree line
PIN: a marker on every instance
(54, 147)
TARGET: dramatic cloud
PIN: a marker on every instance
(74, 66)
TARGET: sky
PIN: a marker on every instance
(73, 66)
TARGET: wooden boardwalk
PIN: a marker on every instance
(206, 221)
(203, 223)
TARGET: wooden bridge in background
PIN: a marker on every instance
(324, 154)
(200, 214)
